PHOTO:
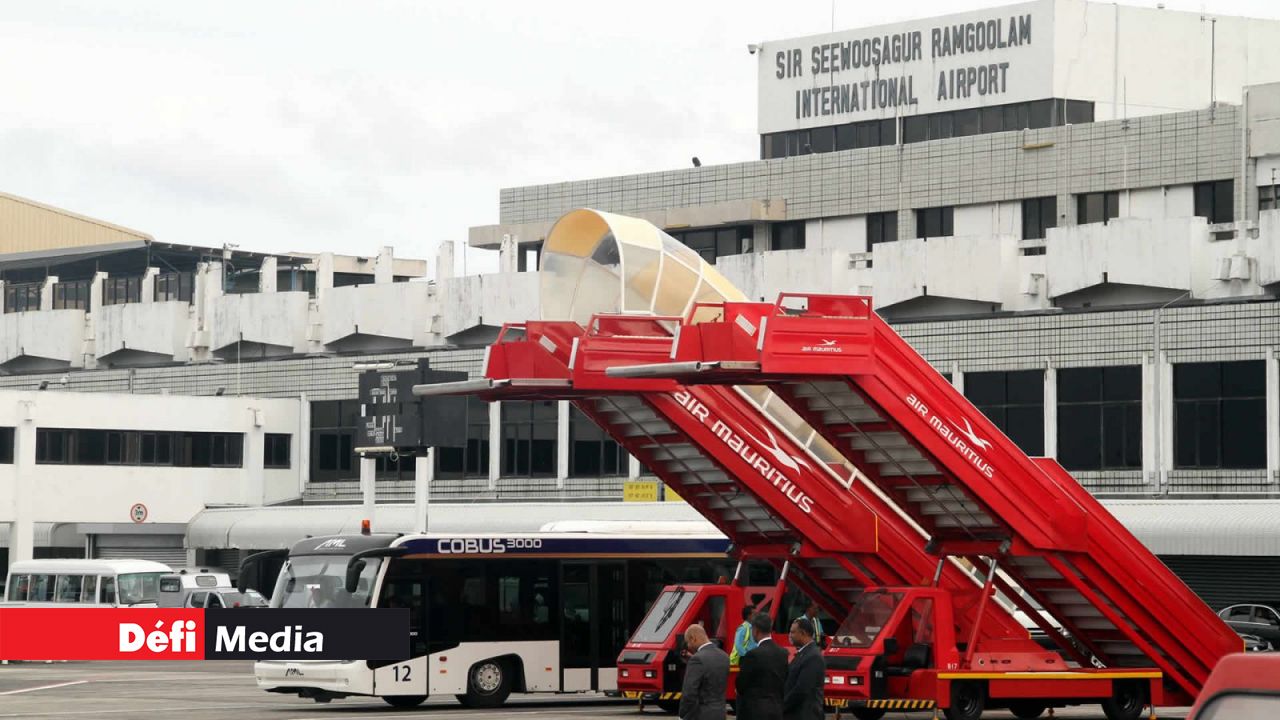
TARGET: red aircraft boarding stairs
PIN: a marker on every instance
(761, 486)
(919, 441)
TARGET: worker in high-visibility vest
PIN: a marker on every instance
(743, 641)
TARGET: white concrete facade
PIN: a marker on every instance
(103, 495)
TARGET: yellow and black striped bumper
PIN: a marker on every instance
(886, 704)
(639, 695)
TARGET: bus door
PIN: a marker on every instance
(593, 626)
(405, 586)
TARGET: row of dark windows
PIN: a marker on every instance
(920, 128)
(529, 446)
(1213, 201)
(712, 243)
(850, 136)
(89, 446)
(1268, 197)
(1219, 414)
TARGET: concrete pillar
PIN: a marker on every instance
(444, 261)
(424, 469)
(957, 378)
(301, 449)
(46, 292)
(22, 530)
(562, 443)
(254, 478)
(508, 254)
(384, 266)
(91, 319)
(267, 278)
(495, 444)
(1050, 411)
(148, 291)
(206, 288)
(1273, 417)
(368, 491)
(1157, 421)
(324, 275)
(633, 467)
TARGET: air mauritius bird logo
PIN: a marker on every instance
(823, 346)
(968, 432)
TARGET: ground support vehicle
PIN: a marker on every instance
(976, 494)
(83, 583)
(1241, 687)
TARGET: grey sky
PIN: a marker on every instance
(347, 126)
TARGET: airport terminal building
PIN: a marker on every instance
(1069, 208)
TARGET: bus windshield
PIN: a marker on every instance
(316, 581)
(663, 616)
(139, 587)
(867, 618)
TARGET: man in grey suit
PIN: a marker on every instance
(706, 677)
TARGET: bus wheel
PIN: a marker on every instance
(1027, 709)
(671, 707)
(488, 684)
(968, 700)
(404, 701)
(1126, 701)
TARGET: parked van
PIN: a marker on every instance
(82, 583)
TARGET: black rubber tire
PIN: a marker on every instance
(866, 713)
(968, 700)
(1127, 701)
(1027, 709)
(671, 707)
(488, 684)
(404, 701)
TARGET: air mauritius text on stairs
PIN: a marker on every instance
(153, 634)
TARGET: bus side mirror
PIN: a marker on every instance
(353, 576)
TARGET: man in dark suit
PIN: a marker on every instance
(762, 674)
(706, 677)
(802, 697)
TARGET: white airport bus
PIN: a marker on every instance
(82, 583)
(490, 614)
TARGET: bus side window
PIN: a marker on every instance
(108, 591)
(89, 593)
(18, 587)
(41, 588)
(68, 590)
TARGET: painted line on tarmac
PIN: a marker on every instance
(461, 712)
(186, 710)
(43, 687)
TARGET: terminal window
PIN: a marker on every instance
(1267, 197)
(882, 227)
(6, 446)
(1097, 207)
(711, 243)
(1220, 416)
(1100, 418)
(471, 460)
(1038, 215)
(1215, 201)
(1014, 402)
(788, 236)
(275, 450)
(935, 222)
(592, 453)
(529, 438)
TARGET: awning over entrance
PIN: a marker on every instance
(1167, 527)
(280, 527)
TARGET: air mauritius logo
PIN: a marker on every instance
(770, 460)
(823, 346)
(964, 439)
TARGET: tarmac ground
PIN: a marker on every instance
(225, 689)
